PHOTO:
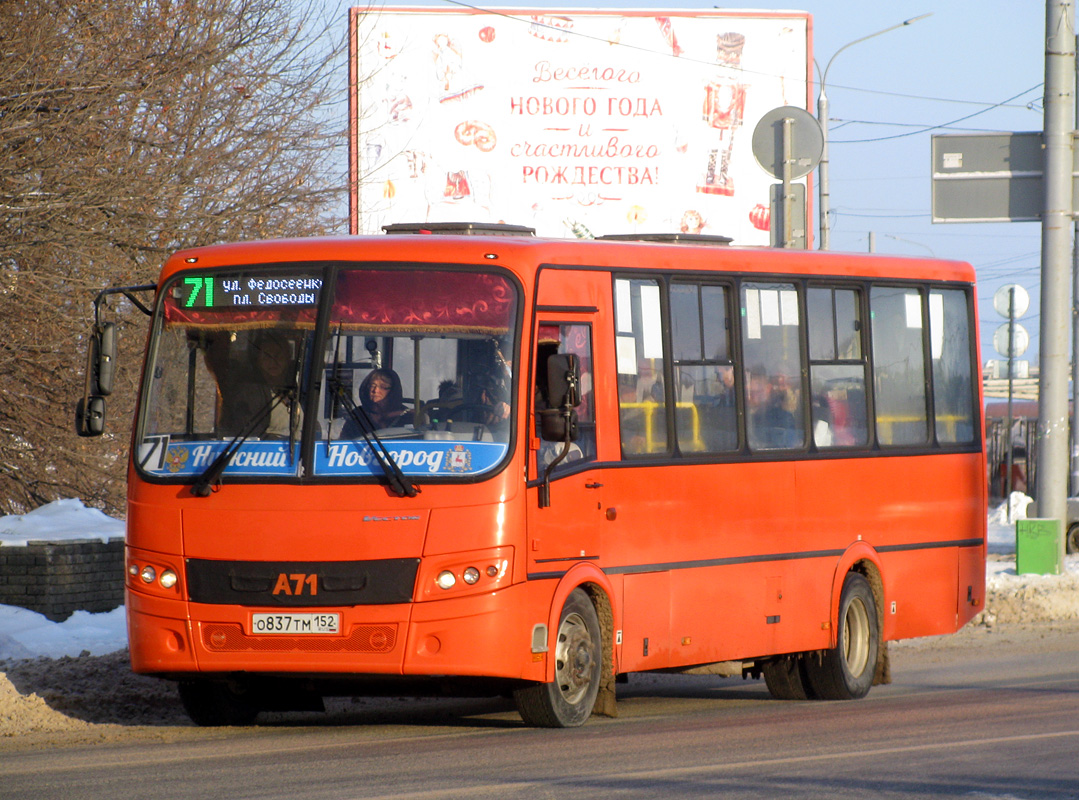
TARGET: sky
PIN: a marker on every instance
(968, 67)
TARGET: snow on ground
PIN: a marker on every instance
(66, 676)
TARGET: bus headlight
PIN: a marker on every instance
(168, 579)
(148, 574)
(446, 579)
(468, 573)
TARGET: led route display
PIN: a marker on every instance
(215, 291)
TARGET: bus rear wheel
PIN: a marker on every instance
(214, 703)
(786, 677)
(845, 672)
(1071, 541)
(567, 701)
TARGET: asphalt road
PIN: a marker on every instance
(980, 715)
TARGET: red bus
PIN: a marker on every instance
(462, 458)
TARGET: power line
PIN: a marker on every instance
(937, 127)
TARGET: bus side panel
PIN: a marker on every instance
(730, 540)
(971, 583)
(920, 593)
(914, 511)
(646, 616)
(750, 569)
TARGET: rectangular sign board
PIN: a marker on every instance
(988, 177)
(572, 122)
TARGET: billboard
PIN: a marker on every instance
(573, 122)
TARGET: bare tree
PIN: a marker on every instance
(128, 129)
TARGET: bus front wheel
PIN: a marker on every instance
(1072, 539)
(213, 703)
(845, 672)
(567, 701)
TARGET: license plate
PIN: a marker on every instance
(295, 623)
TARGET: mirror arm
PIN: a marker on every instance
(545, 488)
(126, 291)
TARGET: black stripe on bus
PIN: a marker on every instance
(567, 309)
(671, 566)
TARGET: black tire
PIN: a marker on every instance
(1071, 540)
(786, 678)
(845, 672)
(567, 702)
(213, 704)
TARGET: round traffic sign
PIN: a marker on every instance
(1002, 300)
(1020, 341)
(807, 141)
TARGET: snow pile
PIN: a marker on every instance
(1027, 598)
(28, 634)
(62, 520)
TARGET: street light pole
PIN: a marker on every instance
(822, 118)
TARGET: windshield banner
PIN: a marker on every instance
(414, 457)
(160, 456)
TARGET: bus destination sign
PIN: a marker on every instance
(215, 291)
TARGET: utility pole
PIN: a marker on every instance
(1052, 462)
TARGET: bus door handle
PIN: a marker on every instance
(593, 485)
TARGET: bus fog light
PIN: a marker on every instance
(471, 575)
(446, 579)
(492, 571)
(148, 574)
(168, 579)
(133, 570)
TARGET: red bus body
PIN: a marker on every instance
(688, 559)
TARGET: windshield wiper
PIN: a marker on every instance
(399, 484)
(211, 477)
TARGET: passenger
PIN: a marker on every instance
(449, 393)
(245, 395)
(494, 395)
(273, 358)
(444, 407)
(381, 397)
(772, 425)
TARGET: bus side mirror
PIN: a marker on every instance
(558, 422)
(90, 416)
(105, 362)
(563, 380)
(100, 370)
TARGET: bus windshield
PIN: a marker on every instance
(406, 371)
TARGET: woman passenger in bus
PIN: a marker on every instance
(381, 398)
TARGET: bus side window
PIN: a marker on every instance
(705, 410)
(775, 410)
(836, 367)
(576, 339)
(953, 383)
(642, 404)
(899, 379)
